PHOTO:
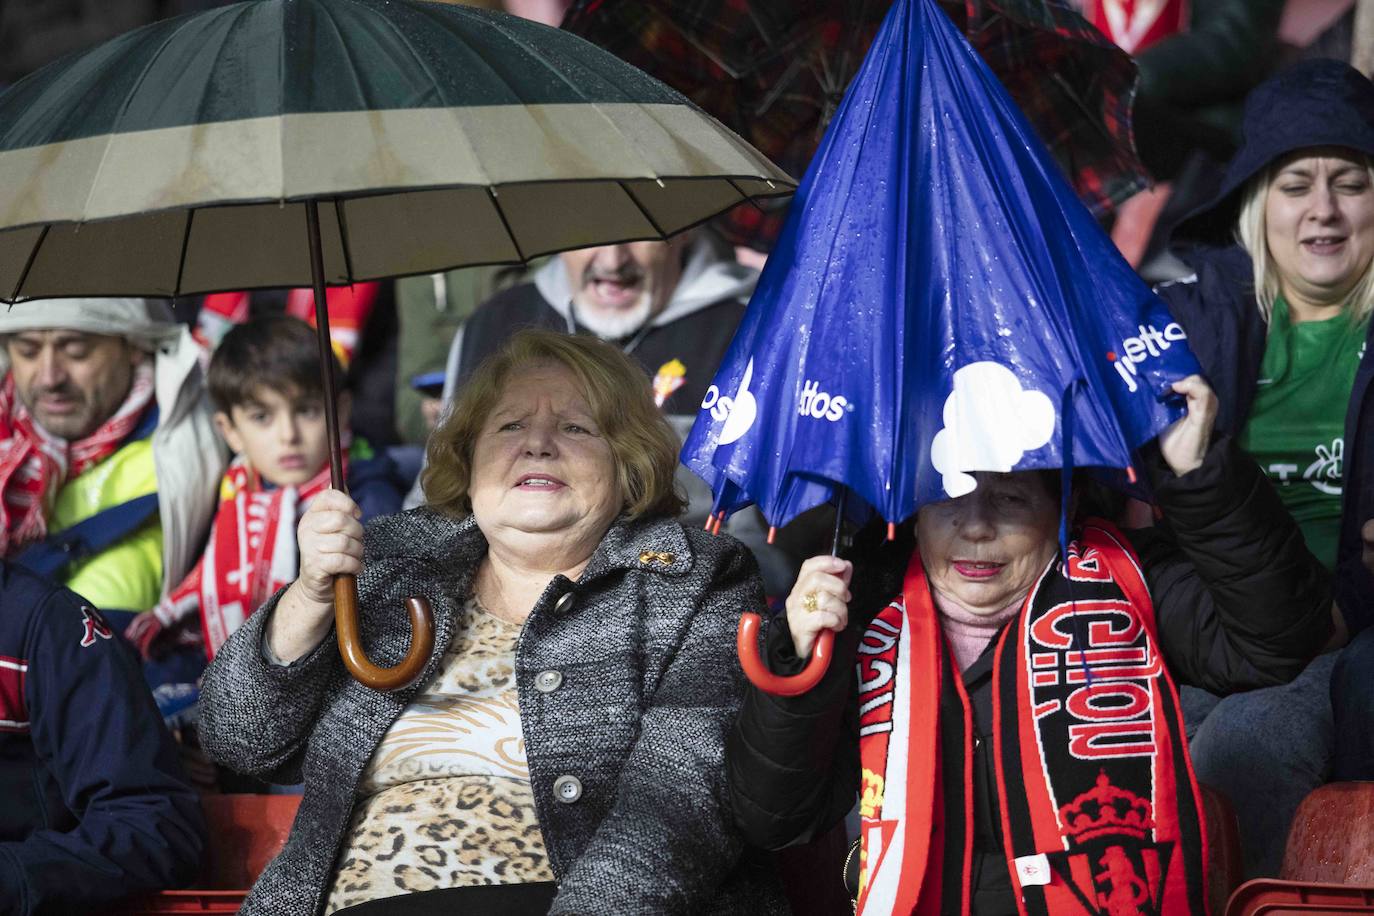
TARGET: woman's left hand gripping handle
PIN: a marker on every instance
(330, 536)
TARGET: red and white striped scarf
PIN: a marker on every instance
(1101, 813)
(252, 552)
(35, 464)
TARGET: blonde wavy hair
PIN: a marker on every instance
(643, 445)
(1252, 232)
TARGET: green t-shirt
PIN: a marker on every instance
(1296, 429)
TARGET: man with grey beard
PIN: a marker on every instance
(672, 306)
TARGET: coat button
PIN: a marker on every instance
(565, 603)
(567, 789)
(548, 681)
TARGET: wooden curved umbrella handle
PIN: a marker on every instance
(747, 645)
(351, 643)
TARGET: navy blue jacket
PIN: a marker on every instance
(93, 805)
(1227, 333)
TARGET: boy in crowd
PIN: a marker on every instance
(265, 384)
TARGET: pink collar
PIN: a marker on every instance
(969, 632)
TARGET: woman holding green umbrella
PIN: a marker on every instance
(566, 746)
(324, 143)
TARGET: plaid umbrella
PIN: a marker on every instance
(774, 70)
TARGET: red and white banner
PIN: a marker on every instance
(1134, 25)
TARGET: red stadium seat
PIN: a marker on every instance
(1332, 837)
(1225, 868)
(245, 832)
(1328, 865)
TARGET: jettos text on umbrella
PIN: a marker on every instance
(1150, 342)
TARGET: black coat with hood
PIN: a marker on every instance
(1216, 307)
(1240, 604)
(1316, 103)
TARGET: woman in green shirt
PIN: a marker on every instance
(1280, 324)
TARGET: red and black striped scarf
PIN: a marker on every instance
(1101, 813)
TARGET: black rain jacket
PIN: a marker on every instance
(1216, 307)
(1240, 604)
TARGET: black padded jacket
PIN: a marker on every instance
(1240, 604)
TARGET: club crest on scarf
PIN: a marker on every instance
(1112, 866)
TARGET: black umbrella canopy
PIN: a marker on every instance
(176, 158)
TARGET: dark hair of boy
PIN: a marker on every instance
(276, 352)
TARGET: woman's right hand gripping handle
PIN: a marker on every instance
(826, 578)
(330, 537)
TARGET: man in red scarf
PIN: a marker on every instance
(107, 449)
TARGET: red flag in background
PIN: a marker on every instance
(1136, 24)
(349, 308)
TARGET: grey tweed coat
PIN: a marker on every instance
(650, 685)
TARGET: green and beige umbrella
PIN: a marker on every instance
(319, 142)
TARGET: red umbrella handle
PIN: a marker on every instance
(747, 645)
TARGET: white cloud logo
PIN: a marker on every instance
(738, 412)
(990, 422)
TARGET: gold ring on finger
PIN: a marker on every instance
(811, 602)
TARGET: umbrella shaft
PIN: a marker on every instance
(331, 400)
(839, 522)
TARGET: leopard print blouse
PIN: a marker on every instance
(445, 800)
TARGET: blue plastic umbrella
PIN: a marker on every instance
(939, 303)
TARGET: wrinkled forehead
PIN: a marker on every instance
(59, 337)
(543, 383)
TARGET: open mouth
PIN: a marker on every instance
(976, 569)
(539, 482)
(618, 292)
(1325, 245)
